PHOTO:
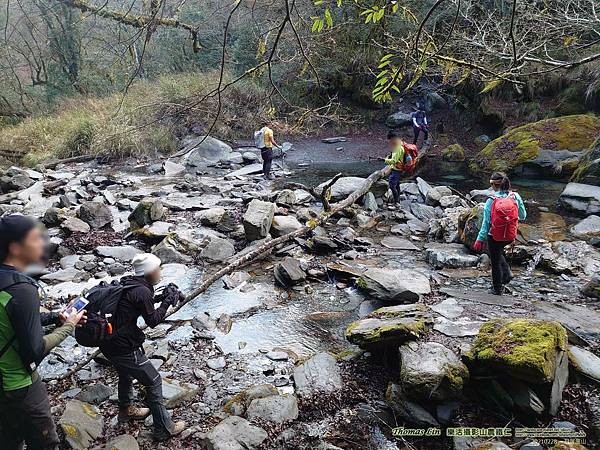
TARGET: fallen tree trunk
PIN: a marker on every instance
(73, 159)
(251, 255)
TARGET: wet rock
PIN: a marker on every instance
(318, 375)
(585, 362)
(284, 224)
(62, 275)
(244, 171)
(258, 219)
(390, 325)
(177, 392)
(95, 214)
(123, 442)
(233, 433)
(529, 348)
(429, 370)
(453, 256)
(146, 212)
(204, 150)
(211, 217)
(288, 272)
(592, 287)
(235, 279)
(275, 408)
(581, 198)
(394, 285)
(75, 225)
(82, 424)
(587, 228)
(410, 411)
(95, 393)
(171, 250)
(398, 119)
(217, 250)
(122, 253)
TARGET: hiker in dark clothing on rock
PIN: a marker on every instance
(25, 415)
(419, 123)
(125, 348)
(501, 217)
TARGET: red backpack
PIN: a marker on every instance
(505, 218)
(411, 152)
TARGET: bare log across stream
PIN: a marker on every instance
(241, 261)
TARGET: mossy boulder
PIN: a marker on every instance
(469, 223)
(391, 325)
(588, 169)
(548, 147)
(454, 152)
(146, 212)
(526, 349)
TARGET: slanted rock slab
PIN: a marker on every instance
(176, 392)
(394, 285)
(318, 375)
(82, 424)
(585, 362)
(453, 256)
(123, 442)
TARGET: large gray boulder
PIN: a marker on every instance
(394, 285)
(318, 375)
(453, 256)
(592, 287)
(205, 150)
(398, 119)
(172, 250)
(581, 198)
(587, 228)
(146, 212)
(284, 224)
(233, 433)
(95, 214)
(288, 272)
(122, 253)
(258, 219)
(217, 250)
(275, 408)
(211, 217)
(82, 424)
(429, 370)
(345, 186)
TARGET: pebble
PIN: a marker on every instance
(216, 363)
(277, 356)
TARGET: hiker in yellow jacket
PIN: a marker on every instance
(397, 159)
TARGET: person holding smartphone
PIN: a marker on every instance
(25, 415)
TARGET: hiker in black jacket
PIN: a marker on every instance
(24, 405)
(125, 350)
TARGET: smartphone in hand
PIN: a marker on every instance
(80, 303)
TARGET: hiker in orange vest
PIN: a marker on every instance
(501, 217)
(401, 160)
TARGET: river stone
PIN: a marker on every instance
(284, 224)
(75, 225)
(286, 197)
(233, 433)
(318, 375)
(155, 232)
(62, 275)
(585, 362)
(218, 250)
(233, 158)
(411, 412)
(592, 287)
(177, 392)
(95, 393)
(211, 217)
(288, 272)
(95, 214)
(423, 212)
(526, 349)
(240, 402)
(122, 253)
(397, 243)
(454, 256)
(394, 285)
(258, 219)
(172, 168)
(146, 212)
(235, 279)
(398, 119)
(391, 325)
(82, 424)
(171, 250)
(569, 257)
(204, 150)
(276, 408)
(451, 201)
(448, 308)
(250, 157)
(435, 195)
(469, 223)
(481, 195)
(581, 198)
(587, 228)
(429, 370)
(123, 442)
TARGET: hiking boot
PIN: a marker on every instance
(177, 429)
(132, 413)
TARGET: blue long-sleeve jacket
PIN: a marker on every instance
(487, 213)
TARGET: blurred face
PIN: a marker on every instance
(153, 277)
(394, 142)
(30, 250)
(495, 184)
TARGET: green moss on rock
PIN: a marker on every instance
(524, 143)
(454, 152)
(523, 348)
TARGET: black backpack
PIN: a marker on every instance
(101, 309)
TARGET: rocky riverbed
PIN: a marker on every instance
(377, 319)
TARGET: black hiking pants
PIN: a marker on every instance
(500, 268)
(417, 131)
(25, 418)
(267, 156)
(137, 365)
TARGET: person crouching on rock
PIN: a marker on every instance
(24, 405)
(501, 217)
(125, 351)
(396, 161)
